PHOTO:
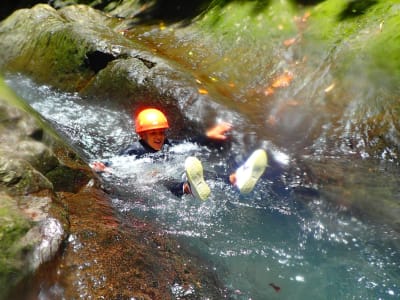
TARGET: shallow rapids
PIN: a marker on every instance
(271, 244)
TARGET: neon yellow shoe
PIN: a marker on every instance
(247, 175)
(194, 173)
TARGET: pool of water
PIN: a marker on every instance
(271, 244)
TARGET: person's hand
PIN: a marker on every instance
(100, 167)
(218, 131)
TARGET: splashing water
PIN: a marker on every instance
(268, 245)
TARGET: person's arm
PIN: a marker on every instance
(100, 167)
(215, 137)
(219, 131)
(135, 149)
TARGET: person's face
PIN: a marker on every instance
(154, 138)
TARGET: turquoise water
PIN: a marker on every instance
(274, 237)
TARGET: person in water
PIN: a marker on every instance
(151, 125)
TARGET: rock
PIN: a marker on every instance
(32, 219)
(65, 41)
(13, 227)
(38, 155)
(47, 238)
(20, 178)
(83, 50)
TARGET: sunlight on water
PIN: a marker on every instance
(82, 122)
(268, 245)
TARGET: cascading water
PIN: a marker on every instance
(271, 244)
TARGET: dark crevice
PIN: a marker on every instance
(37, 135)
(356, 8)
(170, 11)
(184, 11)
(9, 6)
(98, 60)
(149, 64)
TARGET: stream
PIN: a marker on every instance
(270, 244)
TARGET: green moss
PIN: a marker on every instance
(13, 226)
(384, 47)
(332, 19)
(248, 18)
(47, 39)
(66, 179)
(364, 33)
(58, 49)
(124, 8)
(8, 95)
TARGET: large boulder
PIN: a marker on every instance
(32, 218)
(49, 38)
(80, 49)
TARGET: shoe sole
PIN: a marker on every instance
(194, 173)
(251, 171)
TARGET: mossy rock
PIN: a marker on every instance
(38, 155)
(358, 34)
(20, 178)
(13, 227)
(66, 179)
(64, 59)
(63, 41)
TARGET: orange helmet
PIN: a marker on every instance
(149, 119)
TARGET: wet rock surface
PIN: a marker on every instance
(32, 225)
(89, 53)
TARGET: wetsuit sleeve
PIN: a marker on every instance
(130, 150)
(175, 187)
(137, 149)
(203, 140)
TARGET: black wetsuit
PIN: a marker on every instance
(141, 149)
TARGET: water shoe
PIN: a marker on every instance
(247, 175)
(194, 173)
